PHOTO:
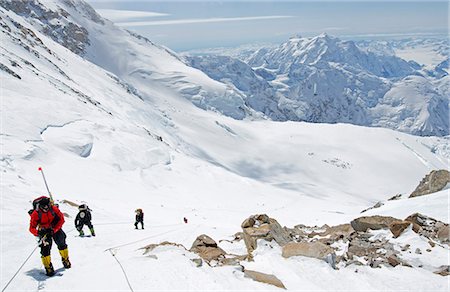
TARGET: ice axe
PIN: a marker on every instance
(46, 185)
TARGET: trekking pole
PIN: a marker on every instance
(46, 185)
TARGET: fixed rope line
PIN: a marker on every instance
(123, 270)
(23, 264)
(136, 241)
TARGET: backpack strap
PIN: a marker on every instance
(55, 217)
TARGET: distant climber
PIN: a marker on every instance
(139, 218)
(84, 218)
(46, 221)
(185, 220)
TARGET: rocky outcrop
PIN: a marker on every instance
(54, 23)
(315, 249)
(429, 227)
(443, 271)
(398, 227)
(150, 247)
(372, 222)
(207, 248)
(264, 278)
(262, 227)
(373, 252)
(433, 182)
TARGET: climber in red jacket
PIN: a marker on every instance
(46, 222)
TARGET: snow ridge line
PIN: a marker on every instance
(59, 126)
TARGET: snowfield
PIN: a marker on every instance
(118, 143)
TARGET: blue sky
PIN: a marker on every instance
(184, 25)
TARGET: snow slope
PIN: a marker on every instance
(118, 145)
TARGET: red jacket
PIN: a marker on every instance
(47, 220)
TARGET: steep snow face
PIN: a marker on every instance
(259, 94)
(324, 79)
(325, 49)
(415, 104)
(134, 59)
(102, 143)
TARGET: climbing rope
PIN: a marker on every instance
(145, 238)
(23, 264)
(123, 270)
(112, 250)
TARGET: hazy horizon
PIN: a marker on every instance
(184, 25)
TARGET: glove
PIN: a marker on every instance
(45, 232)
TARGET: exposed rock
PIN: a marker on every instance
(198, 262)
(443, 234)
(70, 203)
(372, 222)
(249, 222)
(432, 244)
(238, 236)
(264, 278)
(418, 251)
(315, 249)
(397, 228)
(433, 182)
(207, 248)
(263, 228)
(233, 261)
(150, 247)
(396, 197)
(443, 270)
(393, 260)
(406, 247)
(429, 227)
(377, 205)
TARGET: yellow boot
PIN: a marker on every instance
(47, 262)
(65, 258)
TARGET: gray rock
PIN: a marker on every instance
(433, 182)
(372, 222)
(264, 278)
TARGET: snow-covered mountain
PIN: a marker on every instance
(118, 141)
(133, 58)
(324, 79)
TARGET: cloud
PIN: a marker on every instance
(124, 15)
(199, 20)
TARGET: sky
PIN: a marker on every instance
(186, 25)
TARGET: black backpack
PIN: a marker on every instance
(36, 203)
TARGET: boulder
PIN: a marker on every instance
(397, 228)
(443, 270)
(338, 232)
(249, 222)
(315, 249)
(393, 260)
(260, 226)
(372, 222)
(207, 248)
(150, 247)
(443, 234)
(429, 227)
(433, 182)
(264, 278)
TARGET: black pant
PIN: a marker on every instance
(136, 224)
(60, 240)
(82, 223)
